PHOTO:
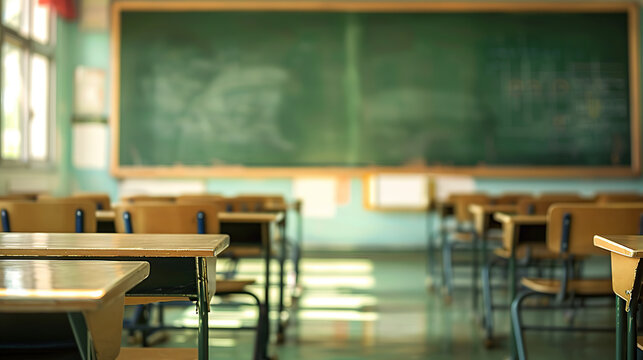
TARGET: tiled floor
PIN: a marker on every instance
(376, 306)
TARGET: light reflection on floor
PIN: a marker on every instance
(375, 306)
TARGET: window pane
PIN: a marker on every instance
(40, 22)
(38, 107)
(14, 14)
(11, 101)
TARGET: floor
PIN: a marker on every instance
(376, 306)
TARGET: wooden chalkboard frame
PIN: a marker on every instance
(634, 40)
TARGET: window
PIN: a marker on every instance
(27, 56)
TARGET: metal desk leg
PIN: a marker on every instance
(443, 244)
(203, 307)
(281, 327)
(475, 271)
(300, 237)
(512, 296)
(81, 335)
(265, 238)
(430, 251)
(631, 331)
(621, 328)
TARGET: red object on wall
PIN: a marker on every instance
(65, 8)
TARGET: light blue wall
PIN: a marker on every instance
(352, 227)
(92, 50)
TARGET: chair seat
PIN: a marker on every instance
(538, 251)
(580, 287)
(243, 251)
(462, 236)
(228, 286)
(639, 342)
(129, 353)
(142, 300)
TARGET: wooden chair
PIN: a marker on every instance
(511, 198)
(531, 252)
(102, 200)
(51, 217)
(269, 200)
(244, 204)
(624, 197)
(134, 199)
(189, 218)
(540, 206)
(200, 198)
(462, 237)
(560, 197)
(570, 232)
(20, 196)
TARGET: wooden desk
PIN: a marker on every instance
(483, 222)
(253, 235)
(179, 264)
(91, 292)
(626, 253)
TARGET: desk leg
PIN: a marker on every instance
(81, 335)
(430, 251)
(621, 328)
(281, 327)
(300, 236)
(265, 236)
(631, 331)
(203, 308)
(475, 271)
(512, 296)
(443, 243)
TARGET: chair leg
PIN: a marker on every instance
(447, 265)
(161, 314)
(516, 320)
(487, 301)
(260, 351)
(232, 268)
(443, 245)
(296, 257)
(430, 251)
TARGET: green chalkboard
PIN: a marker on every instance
(301, 89)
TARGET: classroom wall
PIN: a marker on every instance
(358, 228)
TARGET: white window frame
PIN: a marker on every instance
(25, 42)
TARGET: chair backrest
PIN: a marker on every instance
(251, 203)
(101, 200)
(26, 197)
(560, 197)
(199, 198)
(540, 206)
(571, 227)
(624, 197)
(511, 198)
(167, 218)
(133, 199)
(461, 204)
(53, 215)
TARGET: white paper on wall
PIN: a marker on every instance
(399, 191)
(318, 196)
(89, 96)
(90, 145)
